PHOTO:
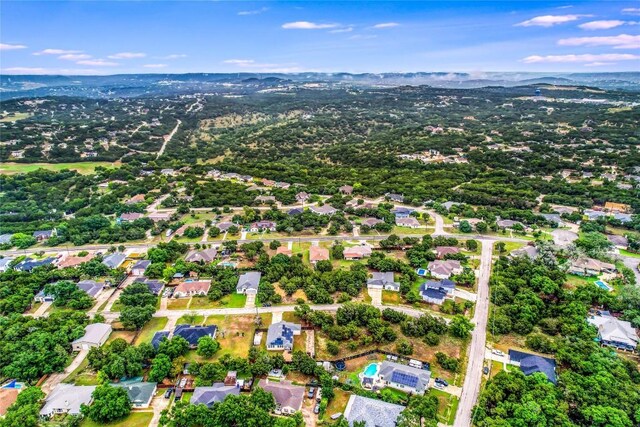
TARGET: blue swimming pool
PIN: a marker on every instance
(602, 285)
(371, 370)
(12, 384)
(421, 272)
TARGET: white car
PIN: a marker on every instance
(497, 352)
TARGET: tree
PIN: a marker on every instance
(214, 232)
(174, 347)
(275, 244)
(472, 245)
(207, 346)
(482, 227)
(109, 404)
(133, 317)
(465, 227)
(404, 347)
(160, 368)
(460, 327)
(501, 247)
(22, 241)
(337, 251)
(324, 266)
(25, 411)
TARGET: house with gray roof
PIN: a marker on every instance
(393, 197)
(4, 264)
(563, 238)
(323, 210)
(404, 377)
(5, 239)
(42, 235)
(373, 412)
(91, 287)
(205, 255)
(114, 260)
(66, 399)
(436, 291)
(288, 397)
(553, 218)
(443, 269)
(140, 267)
(248, 282)
(95, 335)
(213, 394)
(528, 251)
(383, 280)
(532, 363)
(140, 393)
(614, 332)
(280, 335)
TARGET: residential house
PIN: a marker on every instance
(318, 253)
(532, 363)
(623, 217)
(617, 207)
(590, 267)
(371, 222)
(43, 297)
(225, 226)
(528, 251)
(302, 196)
(410, 222)
(288, 397)
(284, 250)
(95, 334)
(268, 182)
(357, 252)
(138, 198)
(295, 211)
(283, 185)
(114, 260)
(403, 377)
(74, 261)
(28, 264)
(442, 251)
(449, 205)
(614, 332)
(443, 269)
(508, 223)
(167, 172)
(436, 291)
(393, 197)
(4, 264)
(383, 280)
(193, 333)
(346, 189)
(618, 241)
(91, 287)
(67, 399)
(323, 210)
(5, 239)
(140, 267)
(553, 218)
(159, 216)
(140, 393)
(214, 173)
(215, 393)
(248, 282)
(280, 335)
(371, 412)
(593, 214)
(155, 286)
(158, 337)
(265, 199)
(563, 238)
(402, 212)
(129, 217)
(262, 226)
(42, 235)
(192, 288)
(205, 256)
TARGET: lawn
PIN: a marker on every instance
(15, 117)
(409, 231)
(338, 404)
(178, 303)
(10, 168)
(82, 375)
(191, 319)
(447, 405)
(629, 254)
(147, 332)
(125, 335)
(235, 333)
(228, 301)
(574, 281)
(135, 419)
(391, 297)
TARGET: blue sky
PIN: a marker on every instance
(109, 37)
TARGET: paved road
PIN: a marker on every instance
(633, 264)
(473, 378)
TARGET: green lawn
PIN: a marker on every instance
(82, 376)
(178, 303)
(447, 405)
(135, 419)
(15, 117)
(629, 254)
(192, 319)
(228, 301)
(9, 168)
(154, 325)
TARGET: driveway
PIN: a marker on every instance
(376, 296)
(57, 378)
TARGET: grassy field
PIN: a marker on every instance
(135, 419)
(629, 254)
(338, 404)
(191, 319)
(154, 325)
(15, 117)
(235, 333)
(178, 303)
(10, 168)
(228, 301)
(82, 375)
(125, 335)
(447, 406)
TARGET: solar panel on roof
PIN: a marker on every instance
(404, 378)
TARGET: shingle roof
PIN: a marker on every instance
(210, 395)
(157, 338)
(193, 333)
(67, 397)
(285, 393)
(91, 287)
(612, 329)
(94, 332)
(114, 260)
(318, 253)
(532, 363)
(383, 279)
(374, 413)
(281, 334)
(249, 280)
(139, 392)
(206, 255)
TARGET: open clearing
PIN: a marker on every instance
(10, 168)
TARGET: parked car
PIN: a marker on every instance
(183, 382)
(497, 352)
(485, 370)
(316, 409)
(167, 394)
(312, 391)
(319, 395)
(441, 381)
(438, 386)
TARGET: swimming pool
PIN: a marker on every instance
(12, 384)
(421, 272)
(371, 370)
(602, 285)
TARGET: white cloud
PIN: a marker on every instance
(7, 46)
(306, 25)
(56, 52)
(587, 58)
(342, 30)
(174, 56)
(549, 20)
(24, 70)
(154, 65)
(622, 41)
(257, 67)
(631, 10)
(601, 25)
(97, 63)
(240, 62)
(74, 56)
(253, 12)
(127, 55)
(38, 70)
(362, 37)
(384, 25)
(598, 64)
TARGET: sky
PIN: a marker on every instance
(115, 37)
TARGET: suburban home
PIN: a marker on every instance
(129, 217)
(617, 207)
(528, 251)
(155, 286)
(29, 264)
(230, 175)
(205, 255)
(268, 182)
(346, 189)
(114, 260)
(443, 269)
(553, 218)
(284, 250)
(138, 198)
(323, 210)
(95, 335)
(383, 280)
(159, 216)
(192, 288)
(140, 267)
(623, 218)
(213, 394)
(302, 196)
(42, 297)
(590, 267)
(410, 222)
(403, 377)
(563, 238)
(295, 211)
(618, 241)
(436, 291)
(67, 399)
(5, 239)
(449, 205)
(193, 333)
(373, 412)
(402, 212)
(357, 252)
(283, 185)
(398, 198)
(441, 251)
(265, 199)
(214, 173)
(74, 261)
(318, 253)
(593, 214)
(140, 393)
(508, 223)
(167, 172)
(158, 337)
(225, 226)
(43, 235)
(262, 226)
(4, 264)
(248, 282)
(371, 222)
(288, 397)
(614, 332)
(91, 287)
(280, 335)
(532, 363)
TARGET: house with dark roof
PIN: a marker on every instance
(288, 397)
(373, 412)
(295, 211)
(91, 287)
(215, 393)
(155, 286)
(532, 363)
(248, 282)
(4, 264)
(402, 212)
(114, 260)
(42, 235)
(29, 264)
(193, 333)
(398, 198)
(403, 377)
(436, 291)
(158, 337)
(140, 267)
(280, 335)
(140, 393)
(383, 280)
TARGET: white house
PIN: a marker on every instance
(95, 335)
